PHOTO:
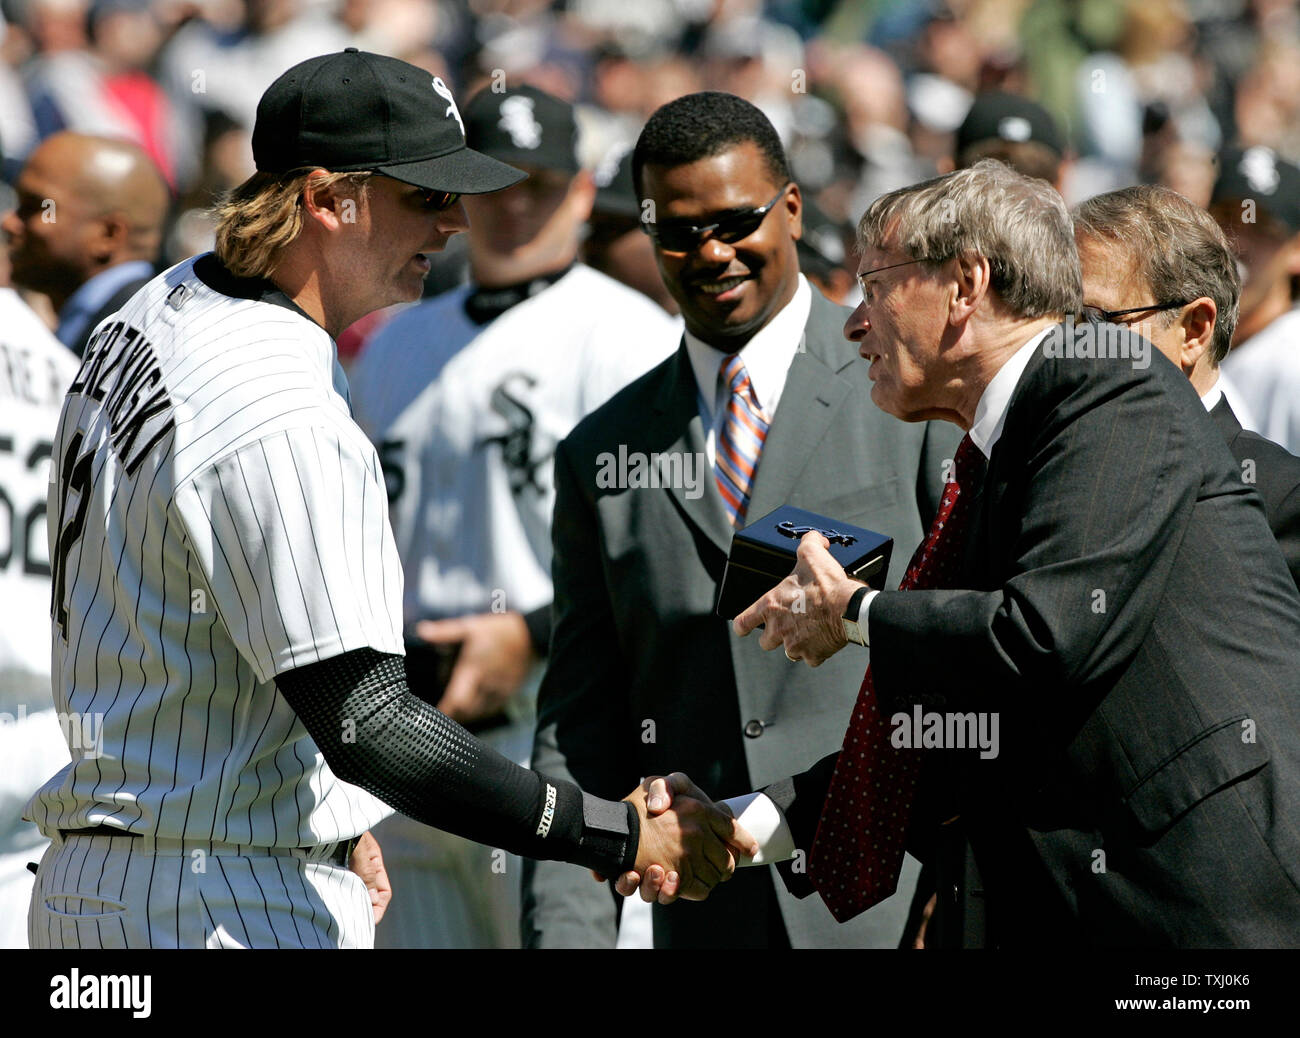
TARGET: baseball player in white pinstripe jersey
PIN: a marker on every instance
(226, 589)
(35, 370)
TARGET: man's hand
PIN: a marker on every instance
(805, 612)
(368, 863)
(688, 843)
(495, 656)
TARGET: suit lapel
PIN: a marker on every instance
(983, 533)
(812, 395)
(678, 413)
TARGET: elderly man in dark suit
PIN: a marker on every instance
(1149, 255)
(1101, 593)
(762, 405)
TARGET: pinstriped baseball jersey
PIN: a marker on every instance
(219, 520)
(35, 370)
(468, 442)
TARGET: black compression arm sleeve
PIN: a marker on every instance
(376, 734)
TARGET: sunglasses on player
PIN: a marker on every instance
(438, 200)
(429, 198)
(683, 237)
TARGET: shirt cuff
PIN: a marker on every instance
(764, 821)
(863, 606)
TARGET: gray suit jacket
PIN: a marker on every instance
(644, 678)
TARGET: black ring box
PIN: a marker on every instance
(763, 554)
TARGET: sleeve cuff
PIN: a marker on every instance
(863, 609)
(764, 821)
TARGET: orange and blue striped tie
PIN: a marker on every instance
(741, 441)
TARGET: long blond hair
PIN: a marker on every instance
(261, 216)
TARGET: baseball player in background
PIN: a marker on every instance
(227, 592)
(35, 371)
(495, 374)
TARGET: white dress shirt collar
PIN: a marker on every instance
(1212, 396)
(991, 411)
(767, 355)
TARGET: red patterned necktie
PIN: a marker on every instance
(858, 850)
(741, 441)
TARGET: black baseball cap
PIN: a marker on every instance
(615, 195)
(1260, 174)
(524, 125)
(996, 115)
(356, 111)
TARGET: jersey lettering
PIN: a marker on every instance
(74, 476)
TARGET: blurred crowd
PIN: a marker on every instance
(866, 94)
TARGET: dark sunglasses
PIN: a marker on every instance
(683, 237)
(438, 200)
(1097, 315)
(430, 198)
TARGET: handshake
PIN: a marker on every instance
(688, 843)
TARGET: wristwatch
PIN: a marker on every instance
(852, 631)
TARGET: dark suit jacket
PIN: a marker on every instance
(114, 304)
(643, 678)
(1132, 622)
(1276, 474)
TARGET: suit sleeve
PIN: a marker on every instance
(1100, 482)
(578, 717)
(800, 799)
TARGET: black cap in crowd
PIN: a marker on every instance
(615, 194)
(1260, 174)
(524, 125)
(355, 111)
(1008, 117)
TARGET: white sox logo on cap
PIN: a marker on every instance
(1014, 128)
(1259, 167)
(442, 90)
(518, 120)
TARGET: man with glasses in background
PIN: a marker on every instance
(763, 404)
(1166, 269)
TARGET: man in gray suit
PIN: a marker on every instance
(643, 676)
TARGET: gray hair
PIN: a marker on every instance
(1018, 223)
(1174, 245)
